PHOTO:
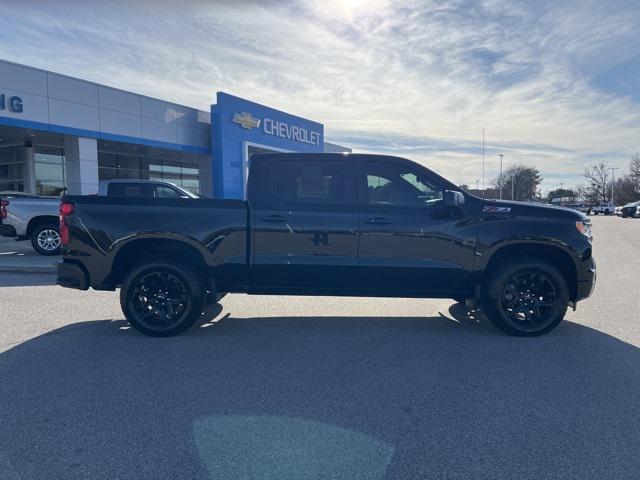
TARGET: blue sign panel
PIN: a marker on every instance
(239, 127)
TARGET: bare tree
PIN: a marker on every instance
(599, 184)
(626, 190)
(582, 191)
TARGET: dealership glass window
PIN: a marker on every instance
(13, 168)
(49, 172)
(117, 165)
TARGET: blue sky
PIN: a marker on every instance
(555, 84)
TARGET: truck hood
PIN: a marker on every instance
(531, 210)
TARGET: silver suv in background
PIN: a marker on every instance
(30, 217)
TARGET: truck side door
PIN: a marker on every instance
(304, 219)
(410, 241)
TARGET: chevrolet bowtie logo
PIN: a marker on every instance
(245, 120)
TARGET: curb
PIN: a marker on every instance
(18, 269)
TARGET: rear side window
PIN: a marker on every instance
(128, 190)
(308, 181)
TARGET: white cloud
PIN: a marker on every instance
(431, 73)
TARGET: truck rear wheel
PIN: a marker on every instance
(161, 298)
(526, 296)
(45, 238)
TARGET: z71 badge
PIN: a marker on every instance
(496, 209)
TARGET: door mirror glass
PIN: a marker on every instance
(453, 198)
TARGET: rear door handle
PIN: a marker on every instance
(274, 219)
(378, 221)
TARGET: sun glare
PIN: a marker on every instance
(351, 9)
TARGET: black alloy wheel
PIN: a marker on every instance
(526, 296)
(529, 298)
(161, 298)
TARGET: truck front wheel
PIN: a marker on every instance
(526, 296)
(161, 298)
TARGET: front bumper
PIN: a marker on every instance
(586, 280)
(72, 275)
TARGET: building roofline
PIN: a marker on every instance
(30, 67)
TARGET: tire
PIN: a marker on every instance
(606, 212)
(526, 296)
(45, 238)
(161, 298)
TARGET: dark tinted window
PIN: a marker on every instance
(129, 190)
(400, 185)
(308, 181)
(163, 191)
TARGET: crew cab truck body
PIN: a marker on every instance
(330, 224)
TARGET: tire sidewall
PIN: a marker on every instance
(34, 238)
(502, 275)
(195, 290)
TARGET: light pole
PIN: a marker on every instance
(482, 162)
(478, 186)
(613, 181)
(501, 178)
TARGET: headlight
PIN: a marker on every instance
(584, 227)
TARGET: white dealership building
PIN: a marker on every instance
(59, 132)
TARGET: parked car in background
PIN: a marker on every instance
(618, 211)
(603, 208)
(630, 209)
(142, 189)
(31, 217)
(580, 207)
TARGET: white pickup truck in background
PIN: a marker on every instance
(30, 217)
(604, 208)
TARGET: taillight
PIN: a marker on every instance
(66, 209)
(4, 203)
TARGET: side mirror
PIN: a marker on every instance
(453, 198)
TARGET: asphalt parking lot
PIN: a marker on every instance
(21, 257)
(288, 387)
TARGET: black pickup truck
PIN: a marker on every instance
(329, 224)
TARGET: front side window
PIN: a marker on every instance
(163, 191)
(305, 181)
(398, 185)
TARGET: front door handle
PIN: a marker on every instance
(274, 219)
(378, 221)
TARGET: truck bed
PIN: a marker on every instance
(105, 228)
